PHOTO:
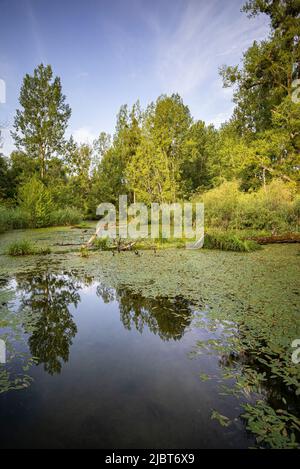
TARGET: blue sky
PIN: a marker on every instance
(111, 52)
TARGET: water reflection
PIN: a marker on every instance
(47, 297)
(45, 300)
(169, 319)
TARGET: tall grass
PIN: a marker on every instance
(13, 218)
(24, 247)
(18, 218)
(65, 216)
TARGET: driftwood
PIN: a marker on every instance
(67, 244)
(121, 246)
(274, 239)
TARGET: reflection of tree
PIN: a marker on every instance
(106, 293)
(164, 317)
(47, 297)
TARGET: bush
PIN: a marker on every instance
(84, 252)
(104, 244)
(274, 208)
(36, 200)
(229, 242)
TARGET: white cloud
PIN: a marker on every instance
(84, 135)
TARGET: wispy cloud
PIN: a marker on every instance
(189, 55)
(36, 33)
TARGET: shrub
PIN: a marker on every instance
(84, 252)
(104, 244)
(36, 200)
(229, 242)
(272, 208)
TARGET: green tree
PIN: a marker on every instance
(35, 199)
(148, 174)
(41, 123)
(199, 149)
(266, 75)
(79, 183)
(168, 122)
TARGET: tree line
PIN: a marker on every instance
(161, 153)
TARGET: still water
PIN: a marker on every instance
(89, 366)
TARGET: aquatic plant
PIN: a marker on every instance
(104, 244)
(24, 247)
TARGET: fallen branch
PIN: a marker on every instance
(277, 239)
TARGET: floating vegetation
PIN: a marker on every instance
(222, 419)
(276, 428)
(84, 252)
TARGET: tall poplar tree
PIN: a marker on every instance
(40, 125)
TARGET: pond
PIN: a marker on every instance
(121, 352)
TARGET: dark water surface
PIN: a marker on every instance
(111, 369)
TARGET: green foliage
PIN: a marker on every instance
(149, 174)
(20, 218)
(274, 208)
(21, 248)
(65, 217)
(81, 226)
(274, 428)
(229, 242)
(161, 154)
(84, 252)
(104, 244)
(13, 218)
(40, 124)
(222, 419)
(265, 117)
(25, 248)
(36, 199)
